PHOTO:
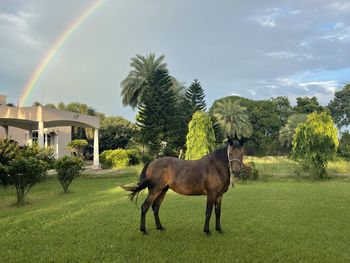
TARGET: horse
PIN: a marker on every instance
(211, 176)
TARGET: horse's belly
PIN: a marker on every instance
(186, 186)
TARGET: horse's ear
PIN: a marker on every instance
(242, 140)
(230, 140)
(235, 138)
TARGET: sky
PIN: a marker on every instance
(255, 49)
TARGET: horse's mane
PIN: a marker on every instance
(220, 154)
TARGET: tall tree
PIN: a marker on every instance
(283, 107)
(340, 107)
(288, 131)
(194, 100)
(200, 138)
(158, 113)
(307, 105)
(133, 86)
(233, 118)
(316, 142)
(195, 97)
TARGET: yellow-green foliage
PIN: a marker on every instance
(316, 142)
(200, 139)
(118, 158)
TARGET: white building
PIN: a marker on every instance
(49, 127)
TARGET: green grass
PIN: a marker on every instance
(274, 221)
(277, 168)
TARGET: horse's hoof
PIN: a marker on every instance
(161, 229)
(144, 231)
(220, 231)
(208, 233)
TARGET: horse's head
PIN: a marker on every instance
(235, 154)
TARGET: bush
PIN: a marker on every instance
(24, 173)
(249, 172)
(68, 168)
(119, 158)
(316, 142)
(23, 167)
(77, 147)
(8, 151)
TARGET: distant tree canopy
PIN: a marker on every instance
(265, 118)
(344, 145)
(307, 105)
(316, 142)
(116, 133)
(340, 107)
(200, 138)
(287, 132)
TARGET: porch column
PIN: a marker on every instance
(45, 140)
(41, 133)
(30, 138)
(96, 164)
(6, 131)
(57, 149)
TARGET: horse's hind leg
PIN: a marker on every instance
(208, 212)
(156, 206)
(218, 213)
(151, 197)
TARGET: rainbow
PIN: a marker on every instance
(53, 50)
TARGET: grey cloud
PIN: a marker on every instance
(249, 48)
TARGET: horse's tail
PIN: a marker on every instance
(136, 189)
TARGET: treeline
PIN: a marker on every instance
(166, 108)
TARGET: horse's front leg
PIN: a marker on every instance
(218, 213)
(210, 203)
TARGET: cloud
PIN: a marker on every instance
(257, 49)
(18, 26)
(270, 16)
(339, 32)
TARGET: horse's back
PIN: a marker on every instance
(188, 177)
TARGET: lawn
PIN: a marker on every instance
(271, 221)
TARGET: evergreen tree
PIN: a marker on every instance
(158, 113)
(200, 138)
(194, 98)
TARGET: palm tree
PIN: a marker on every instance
(233, 118)
(287, 132)
(134, 84)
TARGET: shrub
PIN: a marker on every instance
(23, 167)
(77, 147)
(119, 158)
(68, 168)
(316, 142)
(8, 151)
(200, 139)
(249, 172)
(24, 173)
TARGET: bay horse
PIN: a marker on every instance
(211, 176)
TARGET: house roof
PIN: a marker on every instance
(29, 117)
